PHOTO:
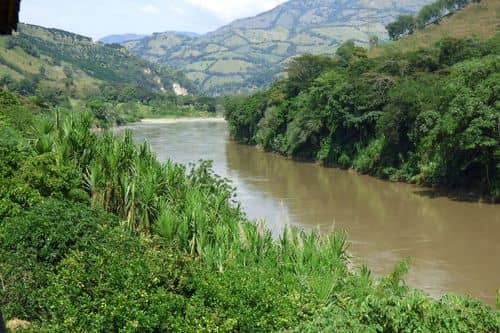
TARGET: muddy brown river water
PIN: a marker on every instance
(454, 245)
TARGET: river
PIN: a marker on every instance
(454, 245)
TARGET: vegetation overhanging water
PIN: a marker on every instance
(385, 221)
(427, 117)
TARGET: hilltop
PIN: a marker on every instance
(52, 61)
(123, 38)
(478, 20)
(250, 53)
(119, 39)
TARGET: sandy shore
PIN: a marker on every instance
(182, 120)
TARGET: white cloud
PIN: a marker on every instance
(229, 10)
(150, 9)
(178, 10)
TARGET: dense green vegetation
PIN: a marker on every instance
(429, 14)
(429, 116)
(250, 53)
(96, 235)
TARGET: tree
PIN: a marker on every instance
(304, 69)
(464, 147)
(349, 51)
(101, 110)
(429, 14)
(453, 50)
(374, 41)
(404, 25)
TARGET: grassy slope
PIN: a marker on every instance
(19, 65)
(68, 61)
(480, 20)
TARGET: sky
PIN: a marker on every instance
(99, 18)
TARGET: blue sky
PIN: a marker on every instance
(98, 18)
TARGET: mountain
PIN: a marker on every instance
(53, 60)
(251, 52)
(120, 39)
(124, 38)
(186, 33)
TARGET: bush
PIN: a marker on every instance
(367, 160)
(15, 195)
(50, 176)
(281, 302)
(34, 242)
(119, 283)
(390, 306)
(17, 112)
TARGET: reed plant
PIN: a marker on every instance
(190, 207)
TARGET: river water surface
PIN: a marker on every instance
(454, 246)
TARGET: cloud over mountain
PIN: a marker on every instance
(229, 10)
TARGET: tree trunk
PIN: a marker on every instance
(2, 324)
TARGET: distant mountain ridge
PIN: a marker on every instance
(249, 53)
(119, 39)
(186, 33)
(124, 38)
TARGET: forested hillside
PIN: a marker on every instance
(429, 116)
(59, 68)
(249, 53)
(52, 61)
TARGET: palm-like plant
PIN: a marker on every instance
(191, 209)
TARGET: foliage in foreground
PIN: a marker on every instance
(428, 117)
(112, 240)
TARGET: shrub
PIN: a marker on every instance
(250, 305)
(367, 160)
(119, 282)
(34, 242)
(50, 176)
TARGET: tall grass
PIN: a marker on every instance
(193, 209)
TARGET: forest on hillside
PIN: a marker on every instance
(429, 14)
(55, 68)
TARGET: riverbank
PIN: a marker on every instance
(157, 121)
(368, 117)
(385, 221)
